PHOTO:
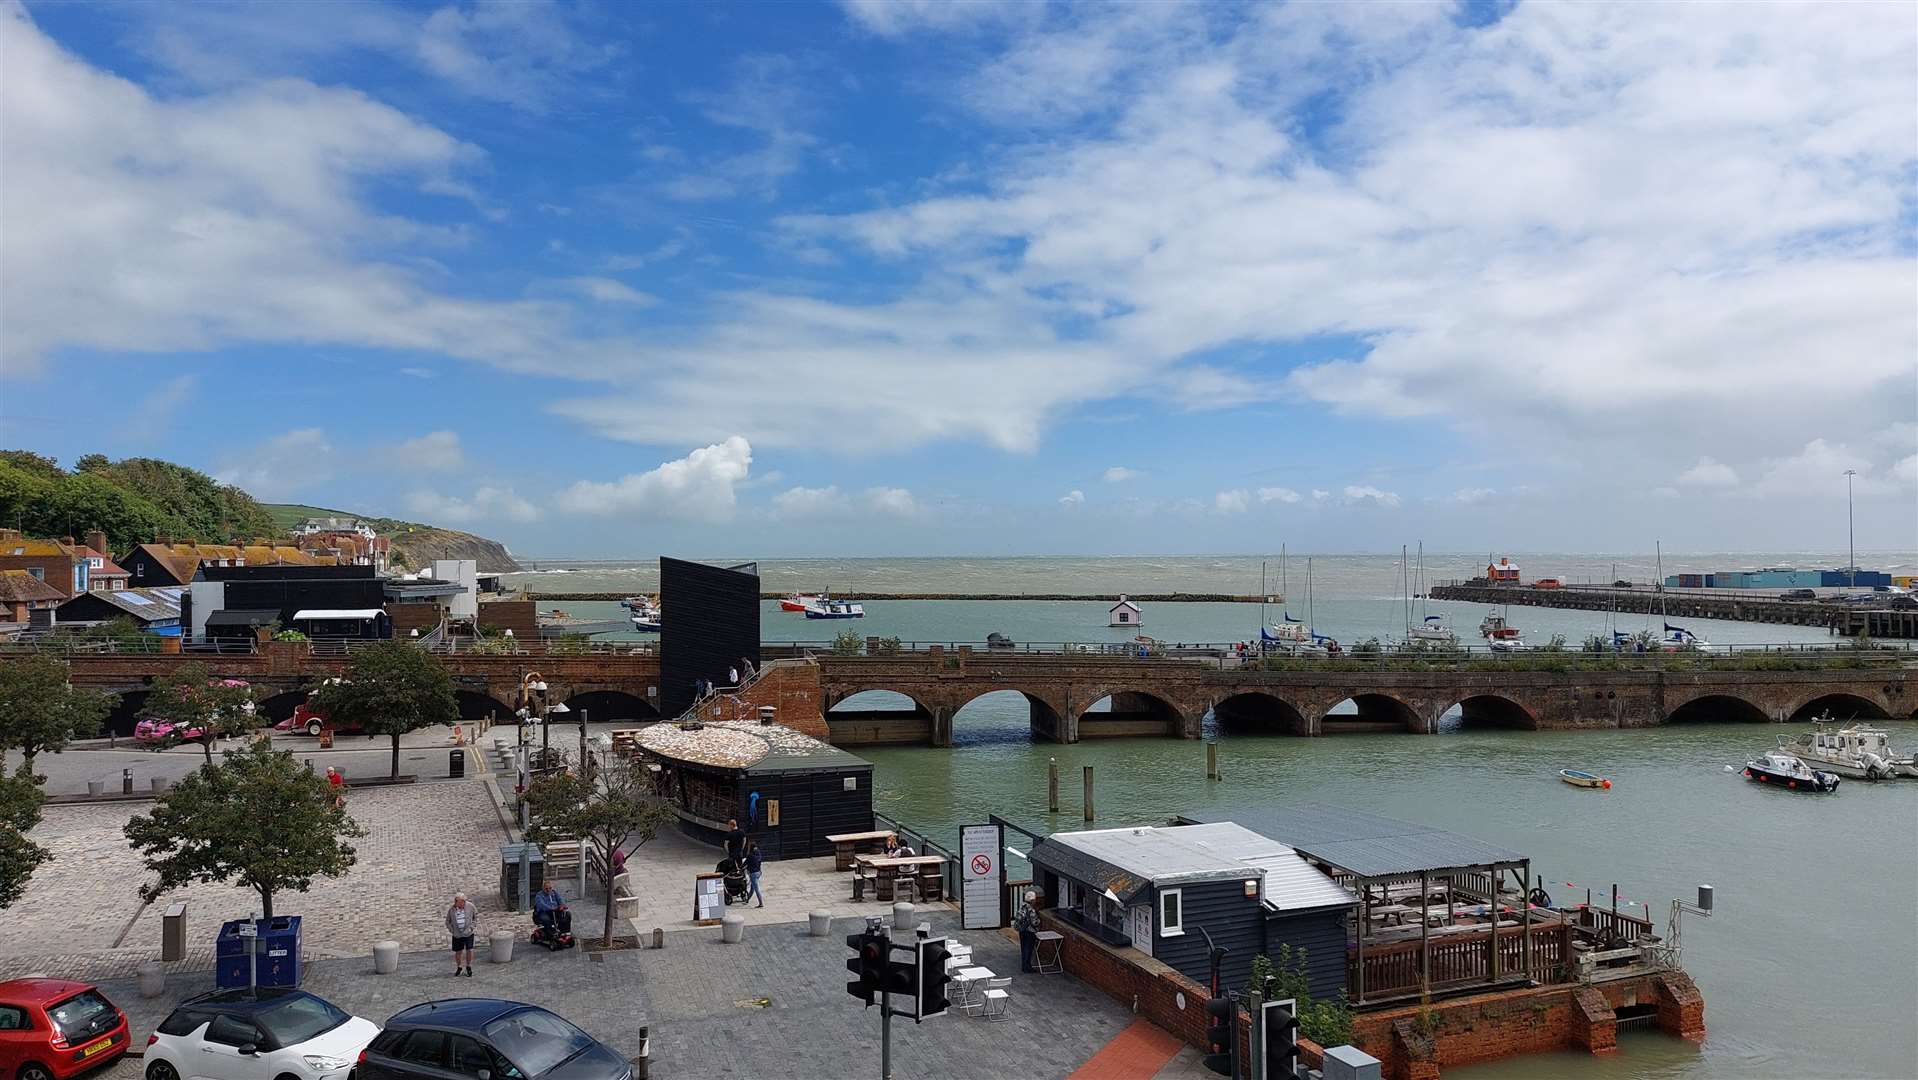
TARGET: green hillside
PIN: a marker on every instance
(132, 500)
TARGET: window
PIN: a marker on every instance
(469, 1057)
(183, 1022)
(232, 1031)
(424, 1048)
(84, 1015)
(536, 1039)
(37, 573)
(300, 1017)
(12, 1019)
(1171, 913)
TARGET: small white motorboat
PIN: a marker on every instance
(835, 609)
(1776, 769)
(1856, 750)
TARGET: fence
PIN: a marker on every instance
(1461, 960)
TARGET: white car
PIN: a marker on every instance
(265, 1034)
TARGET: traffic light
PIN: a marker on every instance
(868, 963)
(1220, 1013)
(930, 1000)
(1281, 1038)
(902, 976)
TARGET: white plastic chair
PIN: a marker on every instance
(997, 1000)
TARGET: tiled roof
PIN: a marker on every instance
(36, 548)
(18, 585)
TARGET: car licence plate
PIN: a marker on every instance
(103, 1044)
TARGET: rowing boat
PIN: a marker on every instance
(1580, 778)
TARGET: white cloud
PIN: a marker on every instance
(1906, 471)
(1075, 497)
(805, 502)
(1366, 495)
(487, 504)
(697, 487)
(1232, 502)
(895, 18)
(892, 500)
(1818, 471)
(277, 469)
(608, 291)
(435, 451)
(1278, 494)
(155, 412)
(1471, 496)
(419, 372)
(1320, 495)
(1119, 474)
(1709, 473)
(523, 54)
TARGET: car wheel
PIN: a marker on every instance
(161, 1070)
(313, 728)
(33, 1070)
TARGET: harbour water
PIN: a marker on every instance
(1809, 965)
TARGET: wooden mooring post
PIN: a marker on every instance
(1212, 761)
(1088, 793)
(1052, 785)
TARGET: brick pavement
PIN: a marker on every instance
(690, 994)
(424, 842)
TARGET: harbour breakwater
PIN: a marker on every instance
(1846, 619)
(1141, 598)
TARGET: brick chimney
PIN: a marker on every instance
(97, 540)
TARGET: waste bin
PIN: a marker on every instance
(456, 763)
(509, 855)
(275, 954)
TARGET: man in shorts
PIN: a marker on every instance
(462, 921)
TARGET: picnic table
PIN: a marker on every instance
(846, 845)
(925, 867)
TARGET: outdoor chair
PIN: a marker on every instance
(998, 1000)
(863, 878)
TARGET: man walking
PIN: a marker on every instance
(735, 840)
(462, 921)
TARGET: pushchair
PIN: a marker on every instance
(738, 885)
(554, 932)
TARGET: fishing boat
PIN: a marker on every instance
(647, 616)
(634, 603)
(1857, 750)
(1581, 778)
(1779, 769)
(799, 601)
(1499, 634)
(835, 609)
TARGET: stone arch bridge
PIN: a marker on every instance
(1150, 697)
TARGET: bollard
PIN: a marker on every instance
(126, 781)
(160, 784)
(1088, 793)
(386, 957)
(1211, 761)
(96, 788)
(1052, 785)
(152, 980)
(502, 950)
(904, 916)
(732, 928)
(819, 923)
(659, 937)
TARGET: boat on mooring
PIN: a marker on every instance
(835, 609)
(647, 616)
(800, 601)
(1856, 750)
(1499, 634)
(1433, 631)
(1581, 778)
(1779, 769)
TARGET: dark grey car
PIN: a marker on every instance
(487, 1039)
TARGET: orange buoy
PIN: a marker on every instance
(1607, 785)
(1791, 783)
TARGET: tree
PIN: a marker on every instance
(618, 805)
(20, 799)
(257, 819)
(1328, 1023)
(391, 688)
(192, 699)
(41, 711)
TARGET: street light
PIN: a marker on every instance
(1851, 538)
(546, 725)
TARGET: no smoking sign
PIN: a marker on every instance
(981, 865)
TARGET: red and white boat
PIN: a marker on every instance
(799, 602)
(1500, 635)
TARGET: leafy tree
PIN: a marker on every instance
(257, 819)
(391, 688)
(20, 800)
(94, 501)
(193, 699)
(92, 463)
(1328, 1023)
(41, 711)
(618, 805)
(39, 465)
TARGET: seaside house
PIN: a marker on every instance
(26, 602)
(1502, 572)
(59, 563)
(1174, 892)
(157, 611)
(1124, 613)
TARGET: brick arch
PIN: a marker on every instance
(1180, 718)
(1843, 705)
(611, 703)
(1378, 707)
(837, 697)
(1260, 712)
(1494, 710)
(1046, 714)
(474, 705)
(1705, 708)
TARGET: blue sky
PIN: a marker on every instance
(909, 277)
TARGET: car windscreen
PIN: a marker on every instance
(84, 1015)
(299, 1018)
(535, 1040)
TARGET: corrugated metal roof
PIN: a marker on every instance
(1215, 851)
(146, 605)
(1365, 844)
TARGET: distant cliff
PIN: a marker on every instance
(416, 546)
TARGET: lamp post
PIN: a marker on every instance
(546, 727)
(1851, 536)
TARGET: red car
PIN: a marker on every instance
(53, 1029)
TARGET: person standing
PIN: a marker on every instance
(462, 921)
(735, 840)
(732, 676)
(746, 666)
(753, 861)
(1027, 923)
(337, 780)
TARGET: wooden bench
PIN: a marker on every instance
(845, 846)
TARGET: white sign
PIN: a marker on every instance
(981, 877)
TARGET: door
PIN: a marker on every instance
(219, 1055)
(422, 1056)
(467, 1058)
(1139, 927)
(16, 1035)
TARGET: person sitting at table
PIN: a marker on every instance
(898, 849)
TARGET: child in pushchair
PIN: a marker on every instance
(738, 886)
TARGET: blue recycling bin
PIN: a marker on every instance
(276, 953)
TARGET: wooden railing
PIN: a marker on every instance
(1462, 960)
(1605, 923)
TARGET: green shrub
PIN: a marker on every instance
(1328, 1023)
(848, 643)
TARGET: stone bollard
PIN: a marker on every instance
(96, 788)
(732, 928)
(502, 950)
(160, 784)
(152, 980)
(659, 937)
(386, 957)
(819, 923)
(904, 916)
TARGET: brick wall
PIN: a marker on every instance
(1135, 980)
(793, 689)
(410, 617)
(1681, 1008)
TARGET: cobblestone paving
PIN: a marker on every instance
(424, 843)
(695, 995)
